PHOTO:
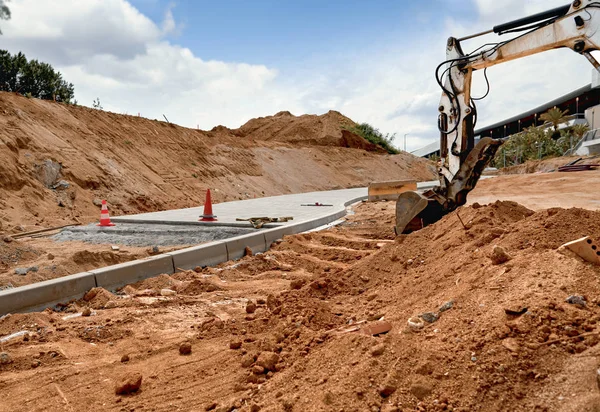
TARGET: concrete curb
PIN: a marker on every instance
(41, 295)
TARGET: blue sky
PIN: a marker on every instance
(285, 34)
(205, 63)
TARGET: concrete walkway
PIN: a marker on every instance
(276, 206)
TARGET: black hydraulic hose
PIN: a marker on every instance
(545, 15)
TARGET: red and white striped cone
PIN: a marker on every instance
(104, 217)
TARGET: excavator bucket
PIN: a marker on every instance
(415, 211)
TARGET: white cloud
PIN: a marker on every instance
(108, 49)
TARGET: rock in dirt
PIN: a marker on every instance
(168, 292)
(185, 348)
(387, 389)
(235, 344)
(429, 317)
(86, 312)
(576, 300)
(248, 252)
(499, 255)
(267, 360)
(91, 294)
(247, 361)
(110, 304)
(7, 239)
(24, 271)
(446, 306)
(5, 358)
(250, 307)
(129, 383)
(258, 370)
(125, 358)
(378, 349)
(598, 378)
(297, 284)
(416, 323)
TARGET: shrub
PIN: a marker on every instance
(373, 135)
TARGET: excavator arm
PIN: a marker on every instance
(575, 26)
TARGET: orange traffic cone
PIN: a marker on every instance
(208, 216)
(104, 217)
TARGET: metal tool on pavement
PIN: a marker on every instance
(259, 222)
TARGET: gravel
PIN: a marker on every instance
(134, 234)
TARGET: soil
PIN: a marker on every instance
(58, 162)
(274, 331)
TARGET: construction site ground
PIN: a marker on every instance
(270, 332)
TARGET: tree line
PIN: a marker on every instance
(33, 78)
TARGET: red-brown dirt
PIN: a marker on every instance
(263, 329)
(58, 161)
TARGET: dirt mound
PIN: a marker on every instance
(57, 162)
(520, 333)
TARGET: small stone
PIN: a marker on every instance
(115, 248)
(125, 358)
(211, 406)
(91, 294)
(268, 360)
(598, 378)
(250, 307)
(247, 361)
(129, 383)
(35, 363)
(155, 249)
(168, 292)
(110, 304)
(258, 370)
(387, 389)
(97, 202)
(5, 358)
(429, 317)
(576, 300)
(185, 348)
(235, 344)
(409, 262)
(21, 271)
(499, 255)
(378, 350)
(7, 239)
(86, 312)
(254, 408)
(248, 251)
(50, 256)
(446, 306)
(297, 284)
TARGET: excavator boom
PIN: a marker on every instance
(575, 26)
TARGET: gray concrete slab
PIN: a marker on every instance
(203, 255)
(116, 276)
(276, 206)
(41, 295)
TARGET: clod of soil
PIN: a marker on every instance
(129, 383)
(185, 348)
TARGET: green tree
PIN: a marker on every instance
(34, 78)
(579, 130)
(555, 116)
(4, 11)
